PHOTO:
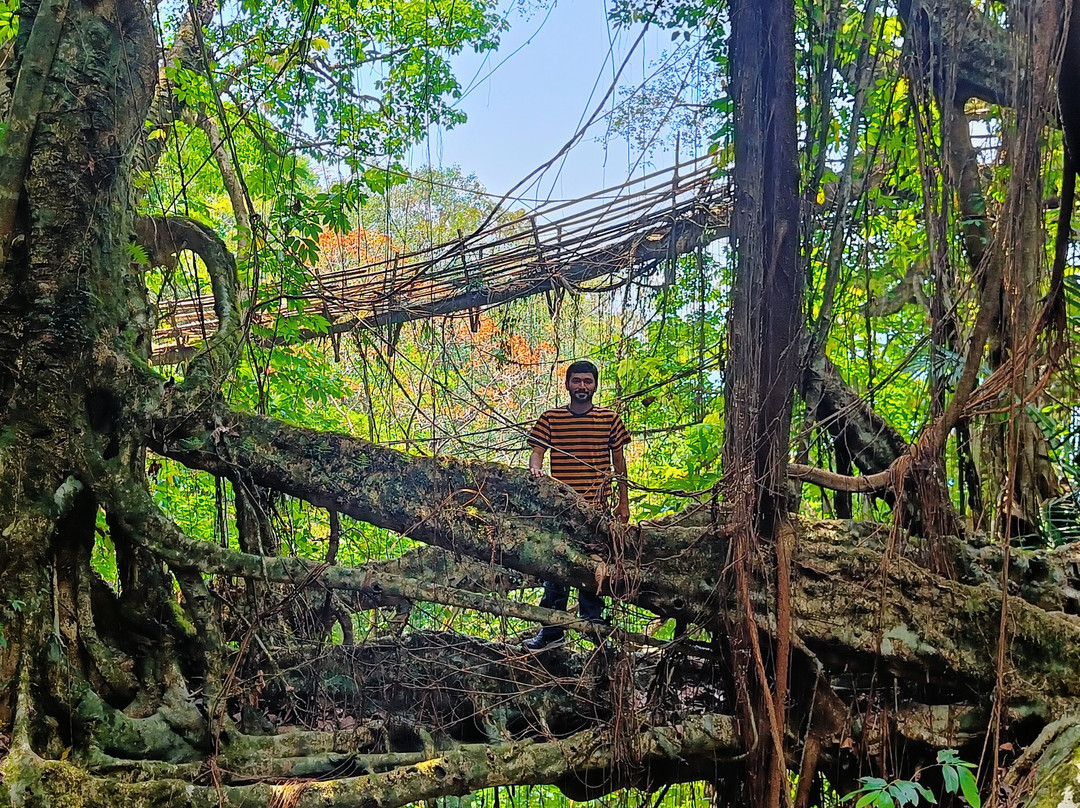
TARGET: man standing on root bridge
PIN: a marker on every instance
(586, 442)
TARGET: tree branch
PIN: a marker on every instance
(865, 484)
(874, 444)
(166, 237)
(483, 510)
(22, 115)
(374, 586)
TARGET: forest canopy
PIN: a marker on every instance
(266, 531)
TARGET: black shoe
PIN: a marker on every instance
(544, 641)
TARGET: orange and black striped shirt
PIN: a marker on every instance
(581, 447)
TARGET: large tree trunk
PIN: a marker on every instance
(766, 311)
(766, 315)
(1015, 451)
(70, 303)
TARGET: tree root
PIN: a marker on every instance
(166, 237)
(1046, 775)
(457, 771)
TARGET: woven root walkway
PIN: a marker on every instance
(613, 235)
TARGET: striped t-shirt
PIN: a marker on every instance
(581, 447)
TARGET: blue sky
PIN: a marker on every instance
(522, 111)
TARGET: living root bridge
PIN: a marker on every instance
(919, 633)
(848, 604)
(486, 511)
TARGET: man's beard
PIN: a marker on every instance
(583, 395)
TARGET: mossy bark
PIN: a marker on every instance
(1048, 773)
(66, 294)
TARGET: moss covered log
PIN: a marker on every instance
(581, 763)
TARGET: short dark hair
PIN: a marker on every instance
(582, 366)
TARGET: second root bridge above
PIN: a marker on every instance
(615, 234)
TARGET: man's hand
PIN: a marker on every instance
(536, 462)
(622, 512)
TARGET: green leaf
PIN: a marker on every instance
(904, 792)
(137, 253)
(870, 789)
(926, 793)
(970, 788)
(952, 779)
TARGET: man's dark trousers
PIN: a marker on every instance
(556, 596)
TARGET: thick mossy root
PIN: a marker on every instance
(589, 758)
(1047, 775)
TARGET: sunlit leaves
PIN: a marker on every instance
(9, 19)
(958, 777)
(188, 86)
(364, 79)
